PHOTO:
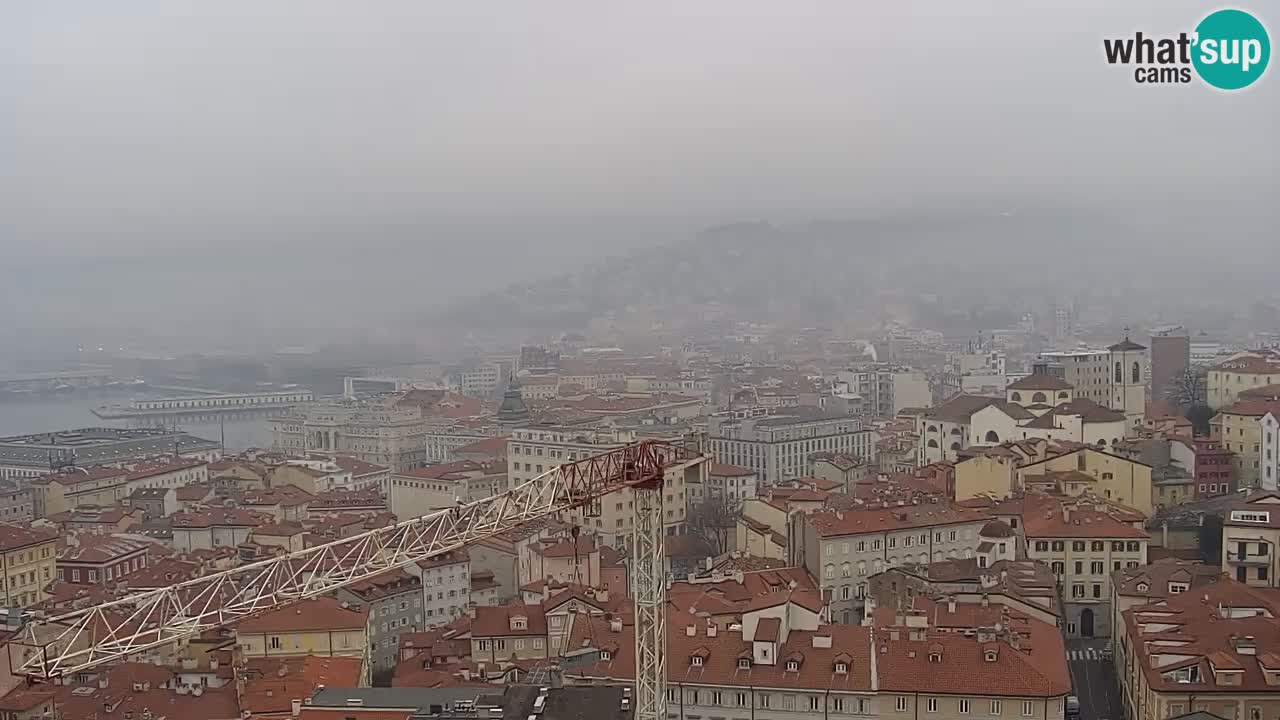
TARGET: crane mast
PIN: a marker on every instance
(113, 631)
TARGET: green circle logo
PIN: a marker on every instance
(1232, 49)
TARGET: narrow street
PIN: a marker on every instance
(1094, 680)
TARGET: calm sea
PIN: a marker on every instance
(65, 412)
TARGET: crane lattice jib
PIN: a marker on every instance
(86, 638)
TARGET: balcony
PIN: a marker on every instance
(1237, 558)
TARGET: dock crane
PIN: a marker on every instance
(73, 642)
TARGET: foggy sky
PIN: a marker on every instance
(117, 118)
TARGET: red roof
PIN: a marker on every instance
(1078, 524)
(832, 523)
(768, 629)
(494, 446)
(275, 682)
(727, 470)
(315, 614)
(13, 537)
(358, 468)
(498, 621)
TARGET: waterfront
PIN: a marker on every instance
(46, 413)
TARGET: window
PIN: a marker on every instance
(1028, 710)
(1077, 546)
(717, 697)
(907, 541)
(837, 704)
(275, 642)
(901, 704)
(931, 705)
(1133, 546)
(964, 707)
(1041, 545)
(697, 661)
(604, 654)
(995, 707)
(842, 668)
(1117, 546)
(846, 570)
(1058, 545)
(1098, 567)
(1077, 590)
(815, 702)
(744, 663)
(1058, 568)
(762, 700)
(1079, 568)
(742, 699)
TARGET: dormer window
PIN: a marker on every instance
(519, 623)
(990, 655)
(1175, 588)
(604, 655)
(744, 663)
(697, 661)
(793, 666)
(1142, 587)
(842, 668)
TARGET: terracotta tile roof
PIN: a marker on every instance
(315, 614)
(996, 529)
(145, 470)
(218, 517)
(1213, 622)
(193, 492)
(833, 523)
(1250, 364)
(79, 475)
(1252, 408)
(727, 470)
(357, 467)
(272, 683)
(1078, 524)
(565, 547)
(388, 584)
(720, 655)
(1152, 581)
(86, 700)
(497, 621)
(768, 629)
(13, 537)
(960, 409)
(494, 446)
(101, 549)
(1039, 381)
(942, 662)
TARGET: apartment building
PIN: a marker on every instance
(784, 662)
(28, 557)
(393, 601)
(1269, 452)
(1083, 545)
(780, 447)
(317, 626)
(731, 483)
(1162, 579)
(1238, 427)
(843, 547)
(1215, 653)
(1238, 373)
(101, 561)
(423, 490)
(884, 389)
(1251, 540)
(507, 634)
(446, 587)
(536, 449)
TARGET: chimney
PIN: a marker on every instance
(295, 707)
(986, 601)
(691, 630)
(711, 629)
(1066, 514)
(951, 604)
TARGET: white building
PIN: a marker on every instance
(446, 586)
(1269, 452)
(780, 447)
(535, 449)
(368, 431)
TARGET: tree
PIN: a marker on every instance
(713, 521)
(1188, 389)
(1210, 538)
(1200, 415)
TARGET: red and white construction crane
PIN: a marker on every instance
(76, 641)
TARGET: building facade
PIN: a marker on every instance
(372, 432)
(780, 447)
(29, 557)
(1170, 358)
(393, 601)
